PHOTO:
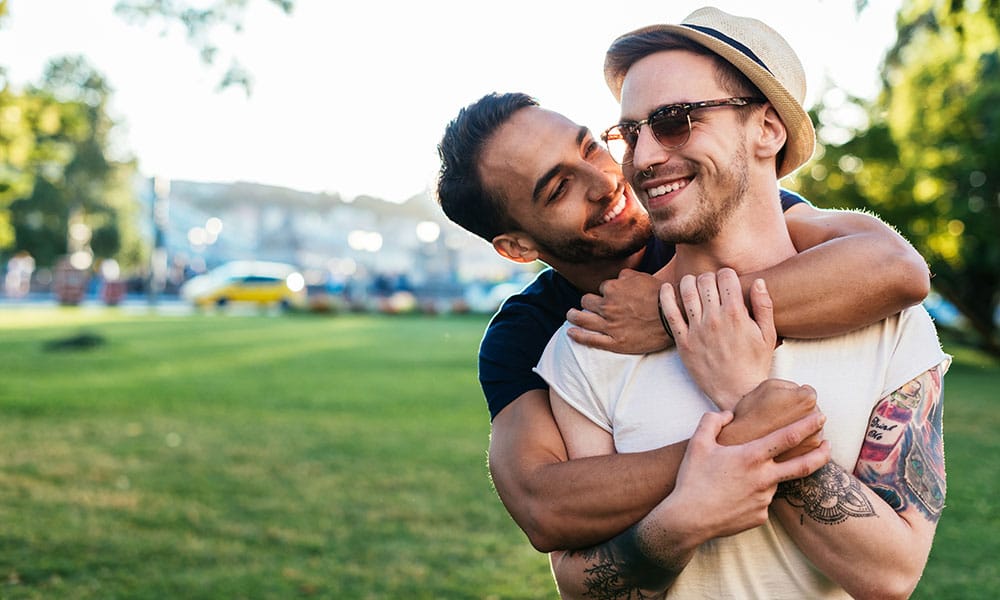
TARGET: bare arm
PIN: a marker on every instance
(852, 270)
(570, 504)
(561, 503)
(871, 532)
(832, 286)
(721, 490)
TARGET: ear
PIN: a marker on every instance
(517, 246)
(773, 134)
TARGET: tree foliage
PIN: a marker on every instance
(57, 169)
(200, 20)
(924, 154)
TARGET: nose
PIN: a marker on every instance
(601, 182)
(648, 151)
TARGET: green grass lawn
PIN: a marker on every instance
(216, 457)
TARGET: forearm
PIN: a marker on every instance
(643, 561)
(851, 534)
(578, 503)
(563, 504)
(851, 270)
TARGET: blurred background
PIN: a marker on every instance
(164, 162)
(145, 142)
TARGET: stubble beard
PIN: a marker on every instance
(713, 208)
(579, 252)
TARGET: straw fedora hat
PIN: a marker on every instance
(761, 54)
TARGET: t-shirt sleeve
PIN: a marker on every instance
(561, 365)
(790, 199)
(917, 349)
(508, 352)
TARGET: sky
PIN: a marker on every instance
(353, 97)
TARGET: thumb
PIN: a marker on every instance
(710, 426)
(763, 311)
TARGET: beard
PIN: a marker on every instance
(577, 251)
(713, 207)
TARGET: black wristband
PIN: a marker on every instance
(663, 319)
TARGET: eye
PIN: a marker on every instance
(591, 148)
(558, 191)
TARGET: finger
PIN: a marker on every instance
(689, 296)
(763, 311)
(672, 312)
(593, 303)
(730, 291)
(710, 426)
(805, 465)
(708, 290)
(587, 320)
(810, 443)
(591, 338)
(788, 437)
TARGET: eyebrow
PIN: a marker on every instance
(549, 175)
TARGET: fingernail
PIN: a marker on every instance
(759, 284)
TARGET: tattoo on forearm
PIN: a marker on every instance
(618, 570)
(902, 459)
(828, 496)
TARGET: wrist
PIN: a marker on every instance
(668, 537)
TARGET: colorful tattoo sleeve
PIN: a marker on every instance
(902, 458)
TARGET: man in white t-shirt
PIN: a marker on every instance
(712, 118)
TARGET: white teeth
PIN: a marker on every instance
(615, 210)
(666, 189)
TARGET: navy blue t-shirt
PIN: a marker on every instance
(518, 333)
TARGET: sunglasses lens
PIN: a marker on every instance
(671, 130)
(619, 146)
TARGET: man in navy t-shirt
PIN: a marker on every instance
(518, 333)
(539, 187)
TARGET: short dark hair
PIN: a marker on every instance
(460, 190)
(630, 49)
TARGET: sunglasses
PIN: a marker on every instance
(670, 125)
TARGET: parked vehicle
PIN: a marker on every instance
(259, 282)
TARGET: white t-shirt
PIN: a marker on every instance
(649, 401)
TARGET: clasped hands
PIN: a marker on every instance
(726, 350)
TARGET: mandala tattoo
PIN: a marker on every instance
(828, 496)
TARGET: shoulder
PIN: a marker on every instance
(540, 307)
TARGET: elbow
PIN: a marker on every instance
(910, 274)
(899, 588)
(893, 584)
(538, 525)
(534, 515)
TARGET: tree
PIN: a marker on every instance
(63, 175)
(924, 154)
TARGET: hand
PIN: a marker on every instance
(623, 317)
(773, 404)
(724, 490)
(726, 351)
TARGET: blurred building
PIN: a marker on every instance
(364, 242)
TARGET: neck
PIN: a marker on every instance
(588, 277)
(753, 238)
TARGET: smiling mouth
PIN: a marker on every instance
(662, 190)
(615, 210)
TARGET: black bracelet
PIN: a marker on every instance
(663, 319)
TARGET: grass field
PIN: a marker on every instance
(314, 457)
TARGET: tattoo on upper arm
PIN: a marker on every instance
(902, 459)
(829, 496)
